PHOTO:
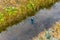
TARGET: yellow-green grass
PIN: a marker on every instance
(14, 12)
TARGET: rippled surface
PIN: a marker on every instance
(44, 19)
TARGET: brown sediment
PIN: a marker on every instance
(55, 32)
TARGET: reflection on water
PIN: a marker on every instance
(26, 31)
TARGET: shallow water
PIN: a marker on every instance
(44, 19)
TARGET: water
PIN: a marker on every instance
(44, 19)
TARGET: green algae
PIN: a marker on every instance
(11, 10)
(1, 17)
